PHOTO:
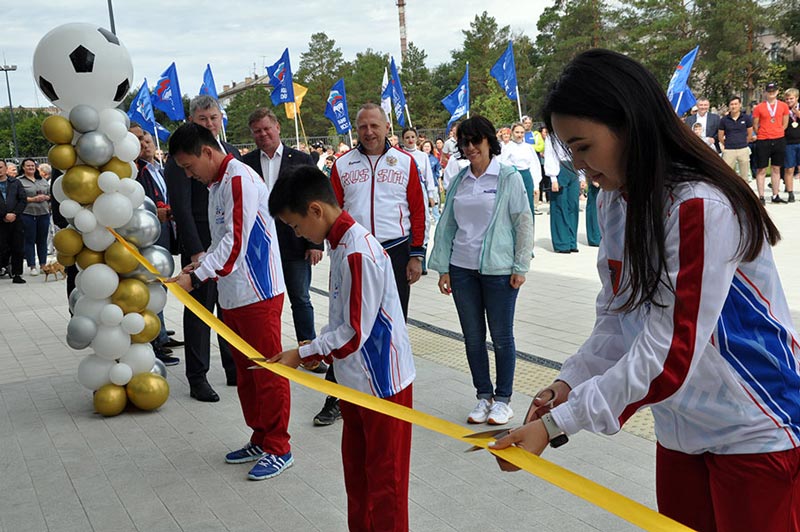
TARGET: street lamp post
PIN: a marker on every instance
(5, 69)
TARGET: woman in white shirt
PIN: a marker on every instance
(521, 156)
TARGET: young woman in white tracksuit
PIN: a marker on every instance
(691, 321)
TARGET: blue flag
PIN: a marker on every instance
(336, 108)
(280, 76)
(395, 91)
(141, 110)
(163, 133)
(457, 102)
(167, 94)
(505, 73)
(678, 92)
(208, 87)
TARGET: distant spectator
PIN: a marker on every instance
(36, 217)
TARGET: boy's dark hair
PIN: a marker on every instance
(190, 138)
(297, 187)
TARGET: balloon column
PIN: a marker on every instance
(86, 72)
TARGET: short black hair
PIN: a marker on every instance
(297, 187)
(474, 130)
(734, 98)
(190, 138)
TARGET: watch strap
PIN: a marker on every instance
(556, 436)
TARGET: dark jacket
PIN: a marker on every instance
(292, 246)
(712, 126)
(16, 199)
(167, 239)
(188, 199)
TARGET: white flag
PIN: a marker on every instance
(386, 103)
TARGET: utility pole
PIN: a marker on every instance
(111, 17)
(6, 69)
(401, 11)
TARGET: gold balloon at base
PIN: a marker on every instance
(68, 241)
(122, 169)
(152, 326)
(57, 130)
(80, 184)
(148, 391)
(87, 257)
(65, 260)
(110, 400)
(131, 295)
(62, 156)
(120, 259)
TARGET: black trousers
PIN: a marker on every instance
(12, 244)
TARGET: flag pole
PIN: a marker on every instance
(467, 88)
(296, 129)
(519, 105)
(408, 115)
(350, 134)
(303, 129)
(391, 119)
(678, 105)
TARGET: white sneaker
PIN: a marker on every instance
(480, 412)
(34, 271)
(500, 413)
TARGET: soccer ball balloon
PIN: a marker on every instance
(79, 63)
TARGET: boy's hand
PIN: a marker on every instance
(289, 358)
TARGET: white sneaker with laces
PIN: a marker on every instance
(480, 413)
(34, 271)
(500, 413)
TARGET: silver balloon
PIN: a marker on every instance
(94, 148)
(160, 258)
(149, 205)
(74, 344)
(80, 332)
(74, 296)
(159, 369)
(84, 118)
(142, 230)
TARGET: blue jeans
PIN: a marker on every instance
(481, 298)
(297, 276)
(36, 229)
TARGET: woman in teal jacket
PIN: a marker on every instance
(482, 250)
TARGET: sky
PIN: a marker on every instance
(237, 37)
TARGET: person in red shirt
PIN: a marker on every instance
(770, 119)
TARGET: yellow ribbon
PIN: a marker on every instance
(611, 501)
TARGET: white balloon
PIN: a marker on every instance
(58, 192)
(111, 342)
(140, 357)
(133, 323)
(111, 315)
(108, 182)
(110, 116)
(69, 208)
(84, 221)
(158, 298)
(93, 372)
(120, 374)
(133, 190)
(98, 240)
(128, 148)
(112, 209)
(134, 169)
(91, 307)
(99, 281)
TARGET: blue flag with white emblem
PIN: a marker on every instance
(678, 92)
(208, 87)
(163, 133)
(457, 102)
(336, 108)
(167, 94)
(395, 91)
(280, 77)
(141, 110)
(505, 73)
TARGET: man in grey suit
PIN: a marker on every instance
(710, 121)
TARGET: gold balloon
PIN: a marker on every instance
(87, 257)
(122, 169)
(62, 156)
(148, 391)
(152, 326)
(80, 184)
(120, 259)
(132, 295)
(57, 130)
(110, 400)
(65, 260)
(68, 241)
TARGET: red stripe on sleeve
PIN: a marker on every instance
(688, 287)
(236, 248)
(337, 184)
(416, 204)
(354, 260)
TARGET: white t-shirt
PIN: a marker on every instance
(473, 206)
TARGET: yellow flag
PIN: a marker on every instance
(299, 92)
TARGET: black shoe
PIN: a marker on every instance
(424, 272)
(777, 199)
(164, 351)
(170, 332)
(574, 250)
(230, 378)
(329, 414)
(168, 360)
(763, 201)
(791, 198)
(563, 251)
(18, 280)
(172, 342)
(202, 391)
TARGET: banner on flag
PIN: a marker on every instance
(395, 91)
(505, 72)
(299, 92)
(336, 108)
(208, 87)
(141, 109)
(280, 77)
(678, 92)
(457, 102)
(167, 94)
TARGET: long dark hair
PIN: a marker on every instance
(660, 151)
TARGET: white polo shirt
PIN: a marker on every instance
(473, 206)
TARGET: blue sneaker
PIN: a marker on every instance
(249, 453)
(270, 465)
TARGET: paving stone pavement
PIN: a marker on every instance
(64, 468)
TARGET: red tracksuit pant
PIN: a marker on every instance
(264, 396)
(376, 453)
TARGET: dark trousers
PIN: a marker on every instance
(592, 227)
(12, 242)
(400, 257)
(564, 208)
(197, 337)
(36, 230)
(297, 277)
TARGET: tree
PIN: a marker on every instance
(419, 89)
(28, 127)
(244, 103)
(363, 80)
(320, 66)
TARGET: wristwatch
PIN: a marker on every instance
(196, 282)
(418, 257)
(556, 436)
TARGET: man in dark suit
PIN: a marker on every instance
(709, 120)
(12, 239)
(270, 160)
(189, 205)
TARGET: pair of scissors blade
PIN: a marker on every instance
(494, 433)
(257, 359)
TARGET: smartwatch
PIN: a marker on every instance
(556, 436)
(196, 282)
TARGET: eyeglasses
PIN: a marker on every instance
(466, 140)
